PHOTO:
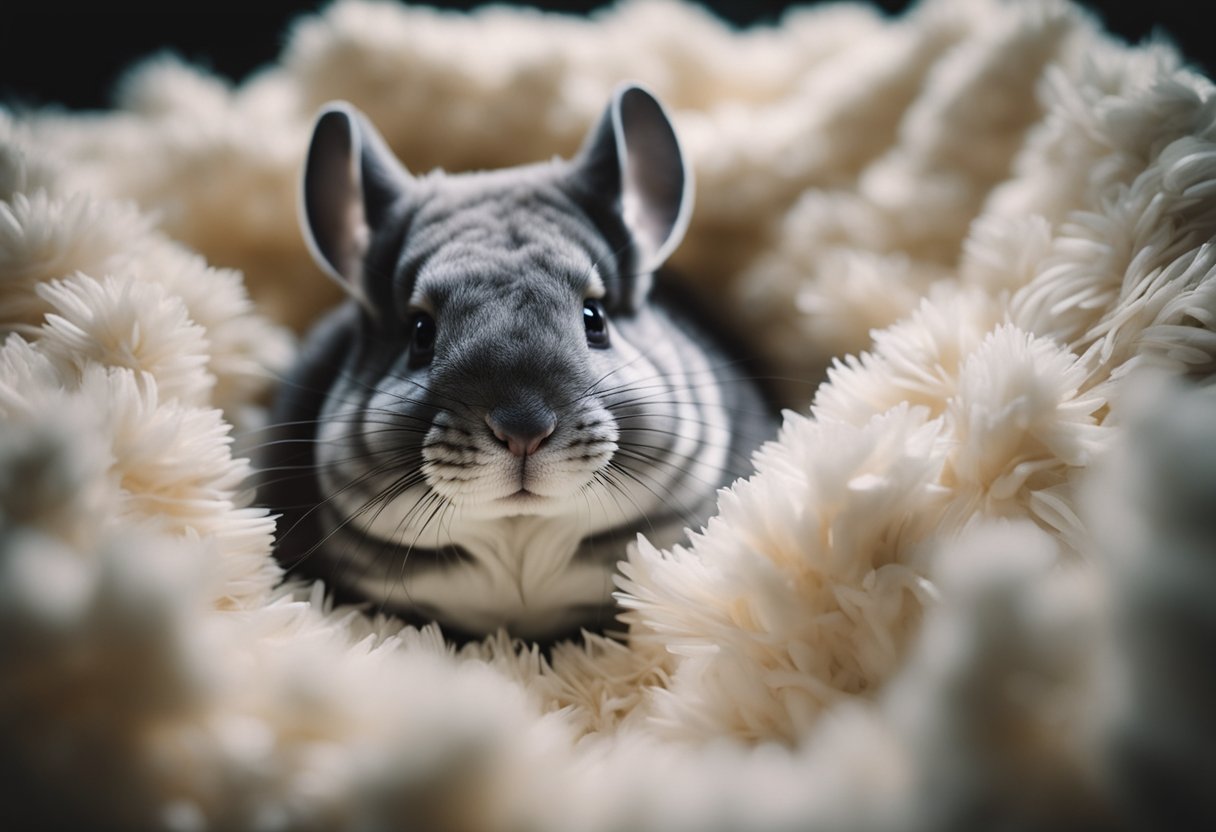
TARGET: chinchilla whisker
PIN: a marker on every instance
(433, 503)
(389, 430)
(626, 428)
(350, 418)
(642, 401)
(379, 503)
(625, 455)
(614, 488)
(371, 473)
(682, 510)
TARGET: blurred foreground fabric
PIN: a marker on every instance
(973, 580)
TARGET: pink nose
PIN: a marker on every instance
(521, 436)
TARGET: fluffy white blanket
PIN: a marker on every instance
(924, 610)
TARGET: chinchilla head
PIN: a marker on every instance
(499, 312)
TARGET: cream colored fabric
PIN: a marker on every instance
(993, 222)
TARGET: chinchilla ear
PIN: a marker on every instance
(633, 156)
(350, 180)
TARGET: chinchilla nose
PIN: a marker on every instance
(522, 430)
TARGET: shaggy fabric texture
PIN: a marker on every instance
(972, 578)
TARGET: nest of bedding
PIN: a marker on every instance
(972, 579)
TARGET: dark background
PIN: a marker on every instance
(48, 56)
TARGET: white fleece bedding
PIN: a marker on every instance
(973, 578)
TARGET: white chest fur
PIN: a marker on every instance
(521, 573)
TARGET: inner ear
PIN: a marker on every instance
(633, 156)
(656, 192)
(350, 180)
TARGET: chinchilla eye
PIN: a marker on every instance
(422, 339)
(595, 323)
